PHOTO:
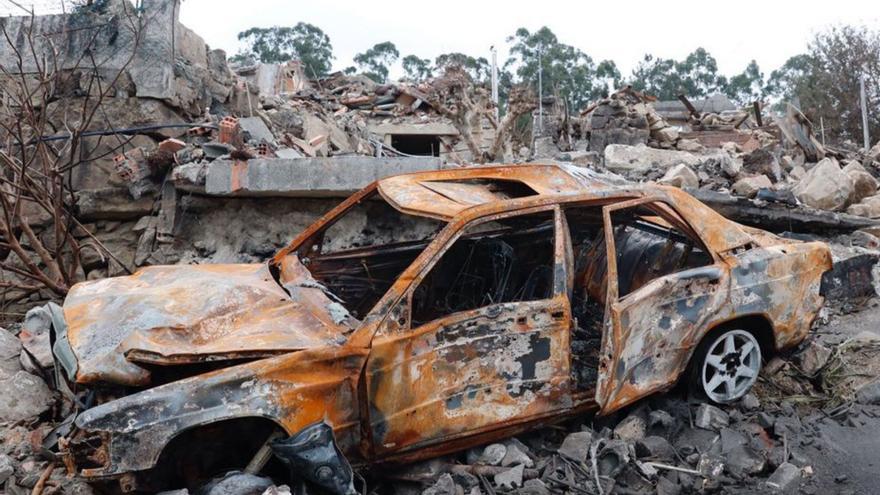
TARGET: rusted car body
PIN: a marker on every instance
(402, 368)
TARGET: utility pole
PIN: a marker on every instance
(541, 93)
(495, 78)
(864, 113)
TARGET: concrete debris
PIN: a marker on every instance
(681, 176)
(576, 446)
(785, 478)
(748, 187)
(10, 350)
(814, 358)
(709, 417)
(23, 396)
(34, 337)
(510, 479)
(825, 186)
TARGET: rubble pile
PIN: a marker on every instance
(770, 441)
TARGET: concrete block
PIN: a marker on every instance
(307, 177)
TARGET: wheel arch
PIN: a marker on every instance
(246, 433)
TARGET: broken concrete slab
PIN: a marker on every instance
(256, 130)
(622, 158)
(111, 203)
(307, 177)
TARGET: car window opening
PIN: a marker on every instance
(363, 252)
(509, 260)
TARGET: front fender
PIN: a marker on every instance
(293, 390)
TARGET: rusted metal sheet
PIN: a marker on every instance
(183, 314)
(294, 390)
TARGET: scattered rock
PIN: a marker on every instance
(237, 483)
(493, 454)
(34, 337)
(10, 348)
(640, 159)
(516, 454)
(23, 396)
(613, 457)
(534, 487)
(445, 485)
(825, 187)
(660, 423)
(813, 358)
(681, 176)
(868, 207)
(864, 184)
(742, 460)
(748, 187)
(632, 428)
(785, 478)
(510, 479)
(869, 393)
(691, 145)
(750, 402)
(6, 468)
(709, 417)
(655, 447)
(576, 446)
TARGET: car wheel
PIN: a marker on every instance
(727, 365)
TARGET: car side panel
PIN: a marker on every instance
(655, 328)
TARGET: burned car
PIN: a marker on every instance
(426, 314)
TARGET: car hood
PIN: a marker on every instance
(166, 315)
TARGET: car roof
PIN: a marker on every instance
(447, 194)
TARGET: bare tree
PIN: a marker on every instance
(467, 105)
(50, 100)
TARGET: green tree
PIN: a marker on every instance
(696, 76)
(783, 82)
(375, 62)
(824, 82)
(747, 86)
(566, 70)
(478, 68)
(416, 69)
(607, 78)
(276, 44)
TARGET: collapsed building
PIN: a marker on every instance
(194, 161)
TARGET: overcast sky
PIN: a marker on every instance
(733, 32)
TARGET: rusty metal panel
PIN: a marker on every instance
(468, 372)
(178, 314)
(294, 390)
(415, 193)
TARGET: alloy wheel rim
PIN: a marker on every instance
(731, 366)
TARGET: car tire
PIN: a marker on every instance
(725, 365)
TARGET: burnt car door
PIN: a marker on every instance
(480, 339)
(663, 285)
